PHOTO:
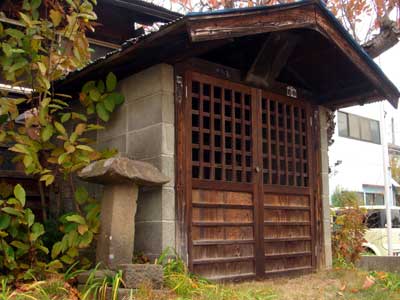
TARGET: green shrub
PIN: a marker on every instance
(22, 252)
(348, 230)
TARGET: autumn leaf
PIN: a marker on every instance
(55, 17)
(369, 281)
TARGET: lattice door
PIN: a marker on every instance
(287, 192)
(250, 206)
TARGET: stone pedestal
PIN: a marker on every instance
(121, 178)
(117, 233)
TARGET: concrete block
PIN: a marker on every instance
(118, 143)
(150, 110)
(168, 234)
(116, 126)
(168, 204)
(326, 211)
(149, 205)
(122, 294)
(156, 204)
(167, 78)
(148, 238)
(136, 275)
(327, 246)
(323, 128)
(380, 263)
(325, 185)
(324, 161)
(328, 257)
(151, 141)
(83, 277)
(166, 164)
(154, 79)
(168, 110)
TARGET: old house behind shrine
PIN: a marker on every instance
(232, 105)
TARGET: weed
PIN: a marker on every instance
(390, 281)
(190, 286)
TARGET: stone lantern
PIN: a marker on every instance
(121, 178)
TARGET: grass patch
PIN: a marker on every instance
(54, 289)
(348, 284)
(187, 286)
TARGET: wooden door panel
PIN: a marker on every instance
(276, 248)
(287, 233)
(222, 233)
(227, 268)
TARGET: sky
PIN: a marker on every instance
(389, 62)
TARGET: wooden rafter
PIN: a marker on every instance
(271, 58)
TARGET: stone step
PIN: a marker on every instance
(83, 277)
(129, 294)
(136, 275)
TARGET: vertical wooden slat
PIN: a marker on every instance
(256, 121)
(212, 133)
(278, 155)
(286, 144)
(222, 133)
(317, 195)
(311, 175)
(233, 130)
(269, 141)
(188, 166)
(201, 129)
(243, 157)
(300, 121)
(293, 145)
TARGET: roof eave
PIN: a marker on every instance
(319, 19)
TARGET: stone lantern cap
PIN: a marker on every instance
(122, 170)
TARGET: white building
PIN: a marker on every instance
(356, 157)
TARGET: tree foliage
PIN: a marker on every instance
(344, 198)
(395, 168)
(49, 131)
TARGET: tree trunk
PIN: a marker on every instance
(388, 37)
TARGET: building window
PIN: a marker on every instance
(374, 199)
(360, 128)
(397, 198)
(377, 218)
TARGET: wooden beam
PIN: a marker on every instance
(299, 78)
(345, 92)
(212, 69)
(235, 24)
(271, 58)
(359, 99)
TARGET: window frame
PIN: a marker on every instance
(358, 118)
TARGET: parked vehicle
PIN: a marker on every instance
(376, 235)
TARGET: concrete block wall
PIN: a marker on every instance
(326, 219)
(143, 129)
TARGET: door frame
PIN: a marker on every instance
(183, 175)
